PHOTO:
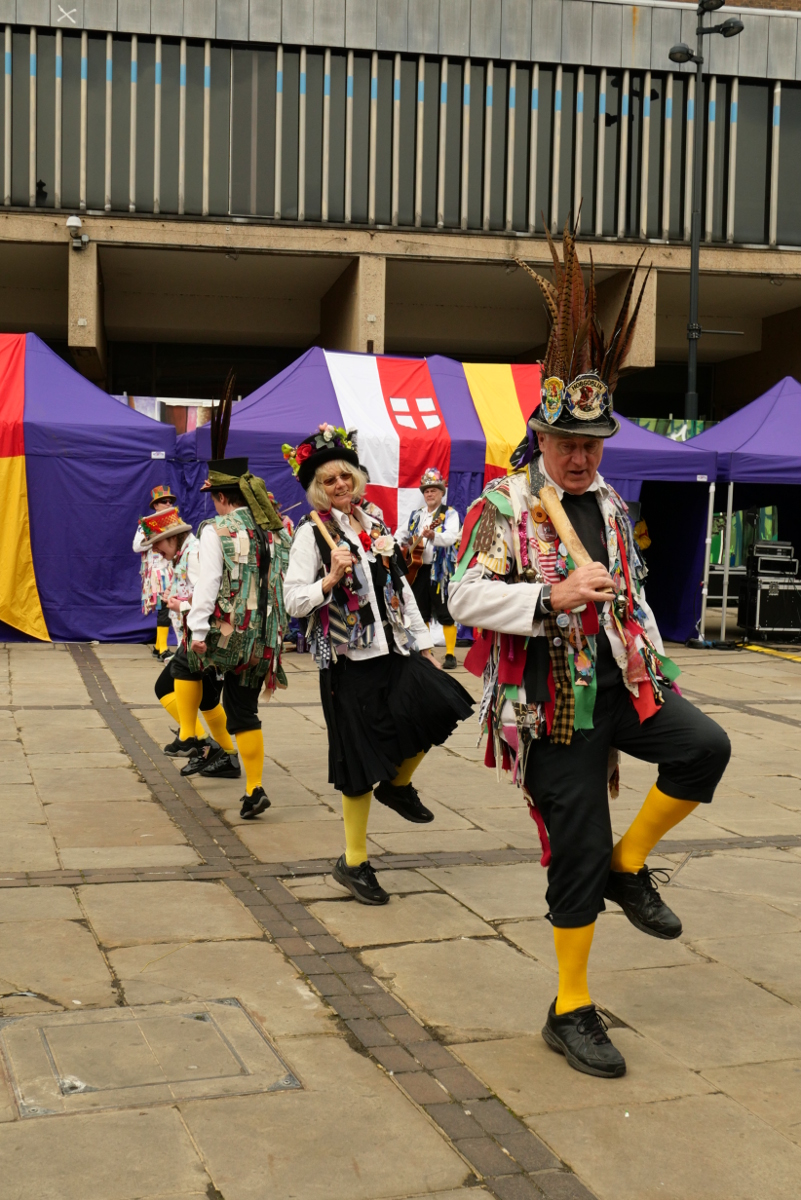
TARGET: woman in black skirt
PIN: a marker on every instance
(385, 699)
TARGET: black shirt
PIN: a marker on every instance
(586, 517)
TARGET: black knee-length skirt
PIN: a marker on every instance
(383, 710)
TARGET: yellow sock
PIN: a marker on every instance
(450, 638)
(572, 953)
(407, 769)
(658, 814)
(250, 743)
(188, 693)
(355, 812)
(171, 706)
(215, 719)
(161, 638)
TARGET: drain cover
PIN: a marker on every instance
(149, 1054)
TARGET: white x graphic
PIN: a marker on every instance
(67, 16)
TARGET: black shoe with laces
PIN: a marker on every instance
(191, 748)
(450, 663)
(361, 881)
(637, 895)
(221, 765)
(198, 761)
(405, 802)
(254, 804)
(581, 1036)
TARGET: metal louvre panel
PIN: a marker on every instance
(8, 10)
(485, 28)
(63, 16)
(636, 37)
(782, 44)
(101, 14)
(754, 46)
(265, 20)
(391, 25)
(233, 20)
(297, 23)
(724, 55)
(607, 35)
(454, 30)
(166, 16)
(546, 31)
(200, 19)
(577, 31)
(423, 27)
(33, 12)
(516, 29)
(665, 32)
(134, 16)
(689, 24)
(329, 22)
(360, 24)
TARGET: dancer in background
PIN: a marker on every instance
(385, 699)
(429, 545)
(155, 574)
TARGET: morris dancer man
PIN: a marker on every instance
(439, 527)
(237, 620)
(385, 699)
(155, 573)
(574, 666)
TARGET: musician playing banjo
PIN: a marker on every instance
(573, 664)
(429, 542)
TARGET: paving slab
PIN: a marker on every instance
(718, 914)
(295, 840)
(743, 877)
(57, 960)
(310, 1144)
(406, 918)
(428, 840)
(616, 945)
(531, 1078)
(129, 914)
(89, 786)
(495, 893)
(774, 963)
(694, 1146)
(325, 887)
(771, 1091)
(80, 858)
(39, 904)
(120, 823)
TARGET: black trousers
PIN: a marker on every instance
(212, 686)
(430, 602)
(162, 617)
(241, 704)
(569, 786)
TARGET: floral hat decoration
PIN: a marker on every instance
(327, 443)
(163, 524)
(432, 477)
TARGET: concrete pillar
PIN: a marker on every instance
(87, 334)
(610, 297)
(352, 310)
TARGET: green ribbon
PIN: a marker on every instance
(254, 490)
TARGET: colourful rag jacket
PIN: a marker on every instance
(247, 627)
(156, 578)
(549, 687)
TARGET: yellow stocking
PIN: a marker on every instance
(215, 719)
(658, 814)
(407, 769)
(188, 693)
(450, 638)
(572, 953)
(250, 743)
(172, 708)
(161, 638)
(355, 812)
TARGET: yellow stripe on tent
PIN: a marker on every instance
(495, 400)
(20, 605)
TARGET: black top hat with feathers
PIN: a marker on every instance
(222, 470)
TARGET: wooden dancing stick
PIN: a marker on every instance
(561, 523)
(320, 523)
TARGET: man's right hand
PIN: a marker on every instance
(341, 562)
(198, 647)
(586, 585)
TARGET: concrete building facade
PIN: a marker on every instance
(256, 176)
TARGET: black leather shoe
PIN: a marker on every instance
(221, 765)
(361, 881)
(450, 663)
(189, 749)
(254, 804)
(637, 895)
(405, 802)
(581, 1036)
(198, 761)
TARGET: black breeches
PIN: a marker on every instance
(241, 703)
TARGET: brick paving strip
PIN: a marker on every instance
(507, 1159)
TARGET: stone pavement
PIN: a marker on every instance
(192, 1010)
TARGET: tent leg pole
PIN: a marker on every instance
(726, 561)
(707, 549)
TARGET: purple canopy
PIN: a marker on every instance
(762, 442)
(635, 455)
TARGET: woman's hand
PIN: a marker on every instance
(174, 604)
(429, 654)
(341, 562)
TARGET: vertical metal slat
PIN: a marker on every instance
(773, 227)
(132, 139)
(371, 164)
(709, 214)
(349, 140)
(688, 159)
(532, 148)
(463, 192)
(510, 146)
(84, 117)
(732, 180)
(578, 156)
(418, 154)
(326, 135)
(443, 142)
(109, 113)
(396, 112)
(557, 148)
(485, 213)
(302, 136)
(623, 166)
(279, 129)
(32, 124)
(7, 122)
(601, 155)
(57, 131)
(667, 155)
(182, 130)
(157, 130)
(206, 125)
(645, 153)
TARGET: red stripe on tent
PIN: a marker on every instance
(415, 412)
(387, 500)
(526, 378)
(12, 394)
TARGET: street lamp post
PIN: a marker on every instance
(683, 54)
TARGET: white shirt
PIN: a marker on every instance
(303, 586)
(207, 588)
(446, 535)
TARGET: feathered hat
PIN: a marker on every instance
(581, 366)
(223, 472)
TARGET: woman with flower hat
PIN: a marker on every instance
(385, 700)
